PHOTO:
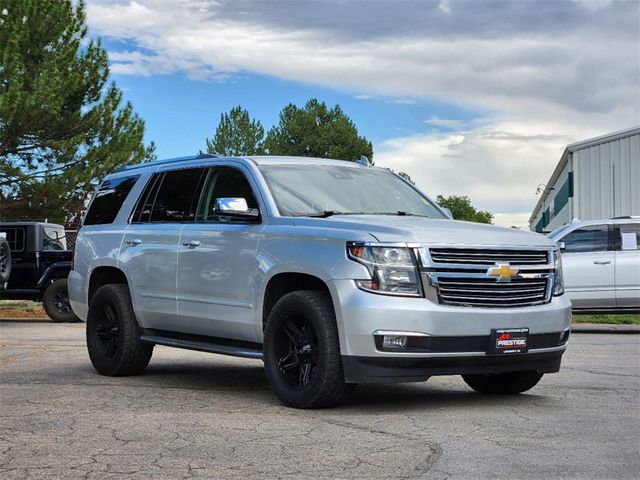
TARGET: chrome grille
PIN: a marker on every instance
(486, 292)
(488, 256)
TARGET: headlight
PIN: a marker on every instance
(393, 270)
(558, 284)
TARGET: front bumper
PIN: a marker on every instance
(359, 314)
(398, 370)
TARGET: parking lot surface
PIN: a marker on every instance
(197, 415)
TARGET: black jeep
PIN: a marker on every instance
(40, 264)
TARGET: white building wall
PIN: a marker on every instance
(607, 179)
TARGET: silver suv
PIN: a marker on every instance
(601, 264)
(333, 273)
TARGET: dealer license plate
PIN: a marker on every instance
(509, 340)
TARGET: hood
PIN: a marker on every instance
(391, 228)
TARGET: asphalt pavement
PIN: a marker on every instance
(197, 415)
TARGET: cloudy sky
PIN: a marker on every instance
(469, 97)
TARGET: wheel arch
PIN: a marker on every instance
(103, 276)
(285, 282)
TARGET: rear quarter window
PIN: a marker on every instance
(627, 236)
(108, 200)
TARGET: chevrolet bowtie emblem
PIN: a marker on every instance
(503, 271)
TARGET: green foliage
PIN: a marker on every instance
(61, 126)
(237, 135)
(317, 131)
(622, 319)
(462, 209)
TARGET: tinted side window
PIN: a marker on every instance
(225, 182)
(15, 238)
(178, 195)
(627, 236)
(142, 212)
(108, 200)
(587, 239)
(53, 238)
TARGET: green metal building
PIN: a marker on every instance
(596, 178)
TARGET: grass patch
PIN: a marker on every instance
(625, 319)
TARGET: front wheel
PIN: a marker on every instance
(508, 383)
(302, 352)
(56, 302)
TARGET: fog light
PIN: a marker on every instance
(394, 342)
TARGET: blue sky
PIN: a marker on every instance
(180, 112)
(463, 95)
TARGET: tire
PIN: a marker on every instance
(113, 334)
(302, 352)
(56, 302)
(508, 383)
(5, 262)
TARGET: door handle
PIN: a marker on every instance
(602, 262)
(191, 244)
(133, 242)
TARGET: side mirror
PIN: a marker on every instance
(447, 211)
(235, 207)
(561, 246)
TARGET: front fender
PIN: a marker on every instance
(54, 271)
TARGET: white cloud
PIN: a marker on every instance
(498, 169)
(445, 122)
(517, 219)
(445, 6)
(541, 87)
(405, 101)
(579, 71)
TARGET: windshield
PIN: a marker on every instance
(301, 190)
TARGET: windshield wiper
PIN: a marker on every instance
(325, 214)
(401, 213)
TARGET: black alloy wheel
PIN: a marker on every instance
(302, 351)
(107, 330)
(296, 351)
(113, 334)
(56, 302)
(61, 302)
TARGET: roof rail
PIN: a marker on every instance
(166, 161)
(625, 217)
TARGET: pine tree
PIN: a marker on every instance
(62, 127)
(237, 135)
(317, 131)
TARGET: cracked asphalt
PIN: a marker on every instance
(197, 415)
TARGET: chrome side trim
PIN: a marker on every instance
(399, 333)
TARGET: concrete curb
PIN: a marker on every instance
(26, 320)
(604, 328)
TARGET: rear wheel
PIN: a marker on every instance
(113, 334)
(508, 383)
(302, 352)
(56, 302)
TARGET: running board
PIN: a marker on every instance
(203, 344)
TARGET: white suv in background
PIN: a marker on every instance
(601, 264)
